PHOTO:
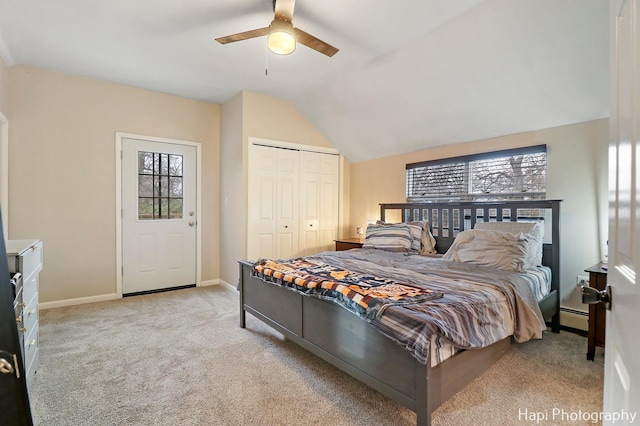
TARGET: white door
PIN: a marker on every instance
(309, 202)
(273, 203)
(622, 346)
(261, 214)
(329, 196)
(158, 215)
(287, 204)
(318, 202)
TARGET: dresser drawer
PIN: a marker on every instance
(31, 354)
(30, 315)
(30, 261)
(29, 288)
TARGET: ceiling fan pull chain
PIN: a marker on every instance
(266, 57)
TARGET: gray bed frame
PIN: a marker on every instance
(343, 337)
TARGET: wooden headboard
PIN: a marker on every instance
(448, 219)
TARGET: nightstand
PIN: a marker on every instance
(348, 243)
(597, 311)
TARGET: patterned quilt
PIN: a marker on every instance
(410, 299)
(363, 294)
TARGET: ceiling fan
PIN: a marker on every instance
(282, 35)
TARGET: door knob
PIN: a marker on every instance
(592, 296)
(191, 223)
(6, 367)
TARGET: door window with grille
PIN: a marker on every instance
(159, 186)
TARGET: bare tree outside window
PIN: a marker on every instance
(510, 174)
(159, 186)
(515, 174)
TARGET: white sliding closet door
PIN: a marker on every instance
(318, 202)
(273, 203)
(309, 202)
(287, 204)
(292, 202)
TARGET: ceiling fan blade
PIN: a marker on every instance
(314, 43)
(243, 36)
(283, 9)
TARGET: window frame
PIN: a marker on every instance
(467, 181)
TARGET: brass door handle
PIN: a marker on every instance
(5, 366)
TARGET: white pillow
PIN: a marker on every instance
(501, 250)
(534, 229)
(428, 241)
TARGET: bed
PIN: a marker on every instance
(358, 345)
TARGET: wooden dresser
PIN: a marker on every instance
(25, 257)
(597, 311)
(348, 243)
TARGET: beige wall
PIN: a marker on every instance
(62, 171)
(254, 115)
(232, 228)
(4, 140)
(4, 97)
(577, 174)
(278, 119)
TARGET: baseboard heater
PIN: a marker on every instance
(573, 319)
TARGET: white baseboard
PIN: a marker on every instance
(209, 282)
(114, 296)
(78, 301)
(218, 282)
(574, 319)
(229, 286)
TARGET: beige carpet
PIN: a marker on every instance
(180, 358)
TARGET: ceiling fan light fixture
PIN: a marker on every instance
(281, 39)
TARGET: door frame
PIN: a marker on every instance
(118, 212)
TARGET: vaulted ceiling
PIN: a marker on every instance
(410, 74)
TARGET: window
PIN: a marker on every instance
(159, 186)
(514, 174)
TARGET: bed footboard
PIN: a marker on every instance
(358, 349)
(344, 340)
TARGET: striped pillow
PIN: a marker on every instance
(416, 235)
(392, 237)
(416, 229)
